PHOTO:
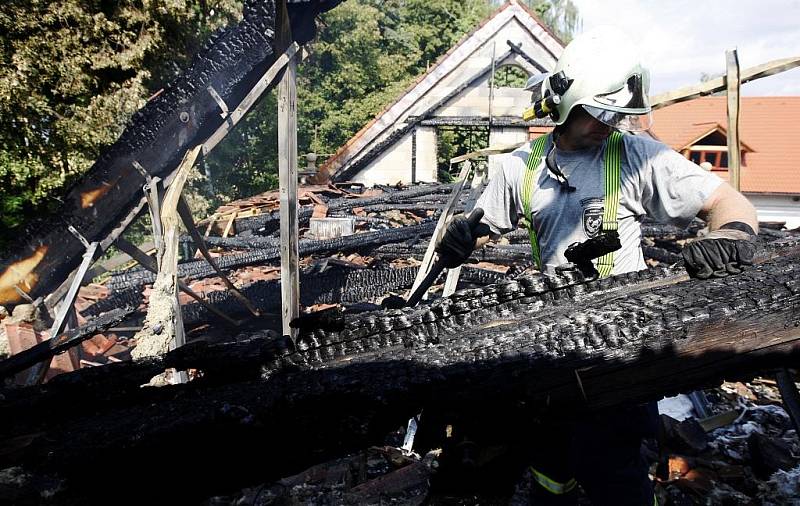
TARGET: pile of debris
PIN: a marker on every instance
(746, 453)
(358, 371)
(357, 247)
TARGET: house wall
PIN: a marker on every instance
(474, 101)
(462, 65)
(505, 135)
(391, 166)
(396, 163)
(777, 208)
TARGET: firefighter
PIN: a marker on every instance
(592, 175)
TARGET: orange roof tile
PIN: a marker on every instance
(537, 131)
(767, 125)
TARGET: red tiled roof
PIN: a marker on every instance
(767, 125)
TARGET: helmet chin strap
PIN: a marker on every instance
(552, 165)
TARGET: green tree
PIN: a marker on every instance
(72, 73)
(367, 52)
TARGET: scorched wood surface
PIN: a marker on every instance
(182, 116)
(511, 350)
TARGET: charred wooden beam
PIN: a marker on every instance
(158, 135)
(626, 343)
(267, 223)
(163, 327)
(351, 243)
(333, 286)
(561, 343)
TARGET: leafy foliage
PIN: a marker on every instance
(74, 71)
(367, 52)
(560, 15)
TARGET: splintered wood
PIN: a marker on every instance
(163, 326)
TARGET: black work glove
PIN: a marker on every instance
(460, 236)
(721, 252)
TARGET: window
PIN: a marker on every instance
(713, 148)
(717, 156)
(510, 76)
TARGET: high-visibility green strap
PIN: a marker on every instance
(528, 187)
(551, 485)
(613, 161)
(611, 183)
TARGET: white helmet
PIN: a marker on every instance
(601, 71)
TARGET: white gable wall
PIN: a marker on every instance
(504, 136)
(391, 166)
(426, 154)
(458, 68)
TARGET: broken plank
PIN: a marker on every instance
(441, 225)
(150, 264)
(38, 371)
(478, 185)
(45, 350)
(163, 327)
(287, 165)
(186, 216)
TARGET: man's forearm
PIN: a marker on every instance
(726, 205)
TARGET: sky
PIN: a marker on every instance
(681, 39)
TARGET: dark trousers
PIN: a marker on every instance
(601, 452)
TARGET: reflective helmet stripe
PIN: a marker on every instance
(611, 182)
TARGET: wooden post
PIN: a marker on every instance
(154, 192)
(163, 328)
(718, 84)
(37, 373)
(287, 166)
(491, 88)
(734, 151)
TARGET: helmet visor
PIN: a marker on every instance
(621, 120)
(630, 98)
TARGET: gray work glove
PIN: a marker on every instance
(460, 236)
(721, 252)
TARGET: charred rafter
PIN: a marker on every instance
(627, 339)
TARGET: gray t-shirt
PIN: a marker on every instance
(655, 181)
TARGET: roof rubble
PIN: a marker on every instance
(752, 454)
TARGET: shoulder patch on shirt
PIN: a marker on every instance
(592, 216)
